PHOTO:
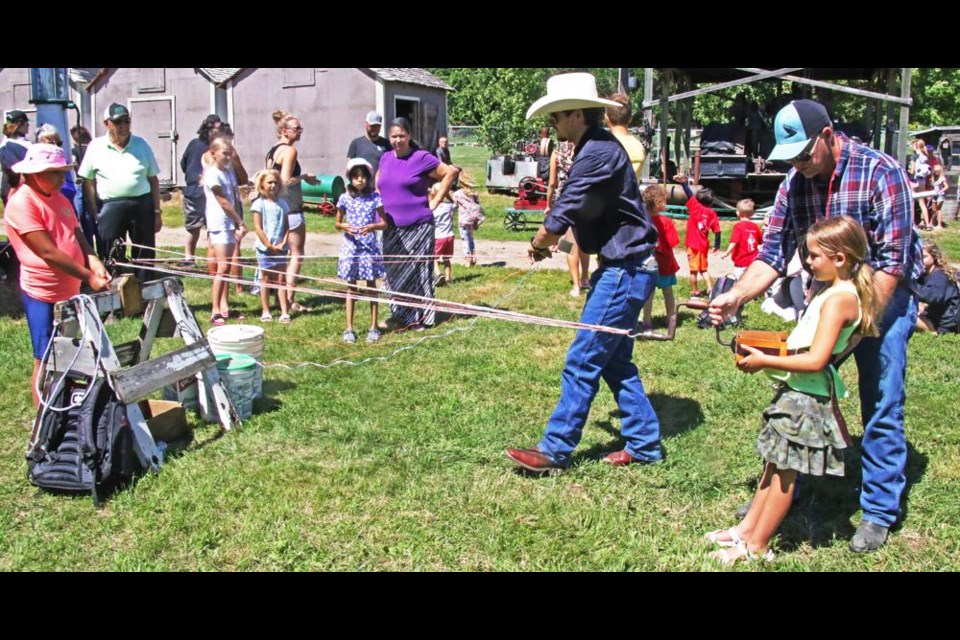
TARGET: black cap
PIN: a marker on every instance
(115, 111)
(16, 116)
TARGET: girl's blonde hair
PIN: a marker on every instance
(939, 260)
(218, 144)
(845, 235)
(262, 175)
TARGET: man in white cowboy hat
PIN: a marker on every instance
(833, 176)
(601, 203)
(54, 256)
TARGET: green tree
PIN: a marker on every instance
(497, 99)
(935, 92)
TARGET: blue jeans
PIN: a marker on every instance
(617, 295)
(469, 246)
(88, 224)
(882, 365)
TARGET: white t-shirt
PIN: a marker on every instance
(443, 219)
(217, 219)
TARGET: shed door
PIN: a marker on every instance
(154, 121)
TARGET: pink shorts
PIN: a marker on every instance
(443, 246)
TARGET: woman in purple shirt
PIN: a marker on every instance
(404, 178)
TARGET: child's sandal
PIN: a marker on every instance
(739, 552)
(714, 537)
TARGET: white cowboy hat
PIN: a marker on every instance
(569, 91)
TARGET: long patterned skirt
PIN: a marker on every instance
(413, 276)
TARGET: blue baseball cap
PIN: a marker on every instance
(795, 125)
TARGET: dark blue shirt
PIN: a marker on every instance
(601, 201)
(190, 162)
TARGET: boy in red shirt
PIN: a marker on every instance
(701, 219)
(655, 203)
(745, 239)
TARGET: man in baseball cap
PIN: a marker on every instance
(833, 176)
(371, 145)
(796, 127)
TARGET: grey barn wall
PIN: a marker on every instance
(15, 90)
(331, 112)
(427, 95)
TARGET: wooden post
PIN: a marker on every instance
(647, 113)
(905, 78)
(664, 126)
(888, 135)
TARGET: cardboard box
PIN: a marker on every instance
(167, 420)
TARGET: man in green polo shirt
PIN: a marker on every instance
(121, 187)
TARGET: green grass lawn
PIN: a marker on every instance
(398, 464)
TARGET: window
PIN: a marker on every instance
(152, 80)
(298, 77)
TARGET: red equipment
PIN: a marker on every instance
(533, 195)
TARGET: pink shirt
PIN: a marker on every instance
(28, 211)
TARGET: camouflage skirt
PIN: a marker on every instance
(801, 433)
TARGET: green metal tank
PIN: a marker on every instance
(328, 189)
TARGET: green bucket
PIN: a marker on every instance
(239, 373)
(327, 189)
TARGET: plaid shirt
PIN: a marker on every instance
(870, 187)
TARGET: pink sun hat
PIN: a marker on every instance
(42, 157)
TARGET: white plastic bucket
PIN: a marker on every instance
(238, 373)
(185, 392)
(244, 339)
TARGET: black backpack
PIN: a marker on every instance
(87, 447)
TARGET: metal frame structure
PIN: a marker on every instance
(681, 84)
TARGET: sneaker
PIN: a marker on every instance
(440, 281)
(349, 337)
(373, 335)
(869, 537)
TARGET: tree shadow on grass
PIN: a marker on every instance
(825, 505)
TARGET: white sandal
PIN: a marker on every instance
(713, 536)
(739, 552)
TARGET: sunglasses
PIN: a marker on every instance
(120, 121)
(806, 154)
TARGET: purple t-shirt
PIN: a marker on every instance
(403, 186)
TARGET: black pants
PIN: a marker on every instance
(119, 217)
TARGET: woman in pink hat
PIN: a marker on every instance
(54, 256)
